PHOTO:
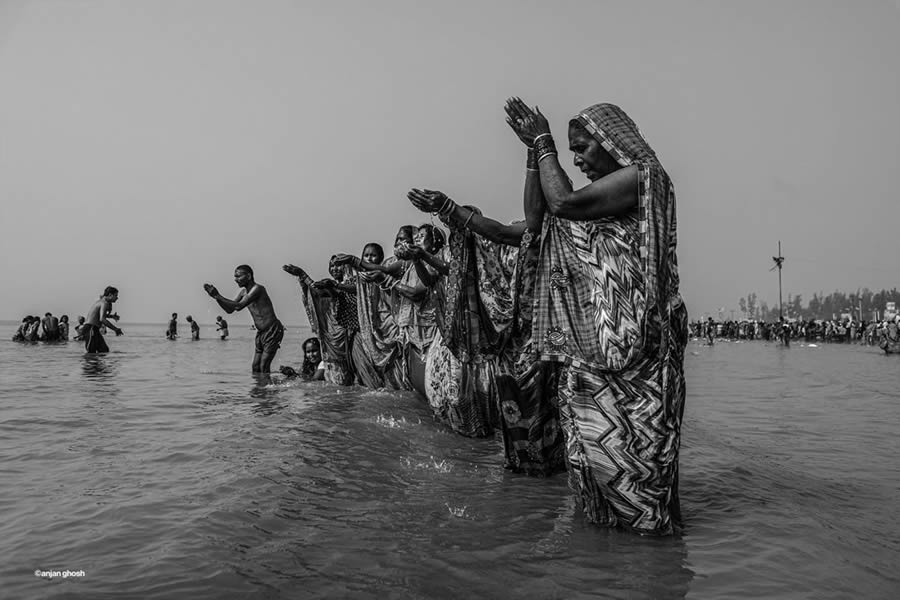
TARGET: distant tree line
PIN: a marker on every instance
(864, 301)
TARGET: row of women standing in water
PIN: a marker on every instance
(565, 331)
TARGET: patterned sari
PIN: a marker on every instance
(377, 355)
(533, 441)
(333, 320)
(607, 306)
(483, 374)
(474, 309)
(417, 321)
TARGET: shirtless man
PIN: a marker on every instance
(50, 326)
(100, 314)
(195, 328)
(255, 298)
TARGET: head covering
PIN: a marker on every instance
(623, 140)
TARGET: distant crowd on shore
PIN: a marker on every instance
(836, 331)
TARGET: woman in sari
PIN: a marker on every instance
(486, 315)
(379, 358)
(331, 308)
(412, 303)
(607, 306)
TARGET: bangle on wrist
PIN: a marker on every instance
(448, 207)
(544, 146)
(443, 207)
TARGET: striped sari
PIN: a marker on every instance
(607, 307)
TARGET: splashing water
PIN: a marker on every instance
(390, 421)
(457, 512)
(441, 466)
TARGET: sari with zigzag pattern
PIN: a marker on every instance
(607, 306)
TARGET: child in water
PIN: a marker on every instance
(313, 368)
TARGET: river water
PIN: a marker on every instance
(165, 470)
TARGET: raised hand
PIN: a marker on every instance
(525, 122)
(211, 289)
(520, 118)
(294, 270)
(412, 252)
(429, 201)
(344, 259)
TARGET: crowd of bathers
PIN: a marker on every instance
(563, 332)
(835, 331)
(438, 318)
(47, 329)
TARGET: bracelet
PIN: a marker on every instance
(537, 137)
(531, 162)
(545, 155)
(443, 206)
(469, 218)
(449, 206)
(544, 146)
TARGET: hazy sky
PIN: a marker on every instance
(155, 145)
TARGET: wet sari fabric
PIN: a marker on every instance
(607, 307)
(330, 320)
(483, 374)
(460, 381)
(533, 441)
(378, 353)
(417, 320)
